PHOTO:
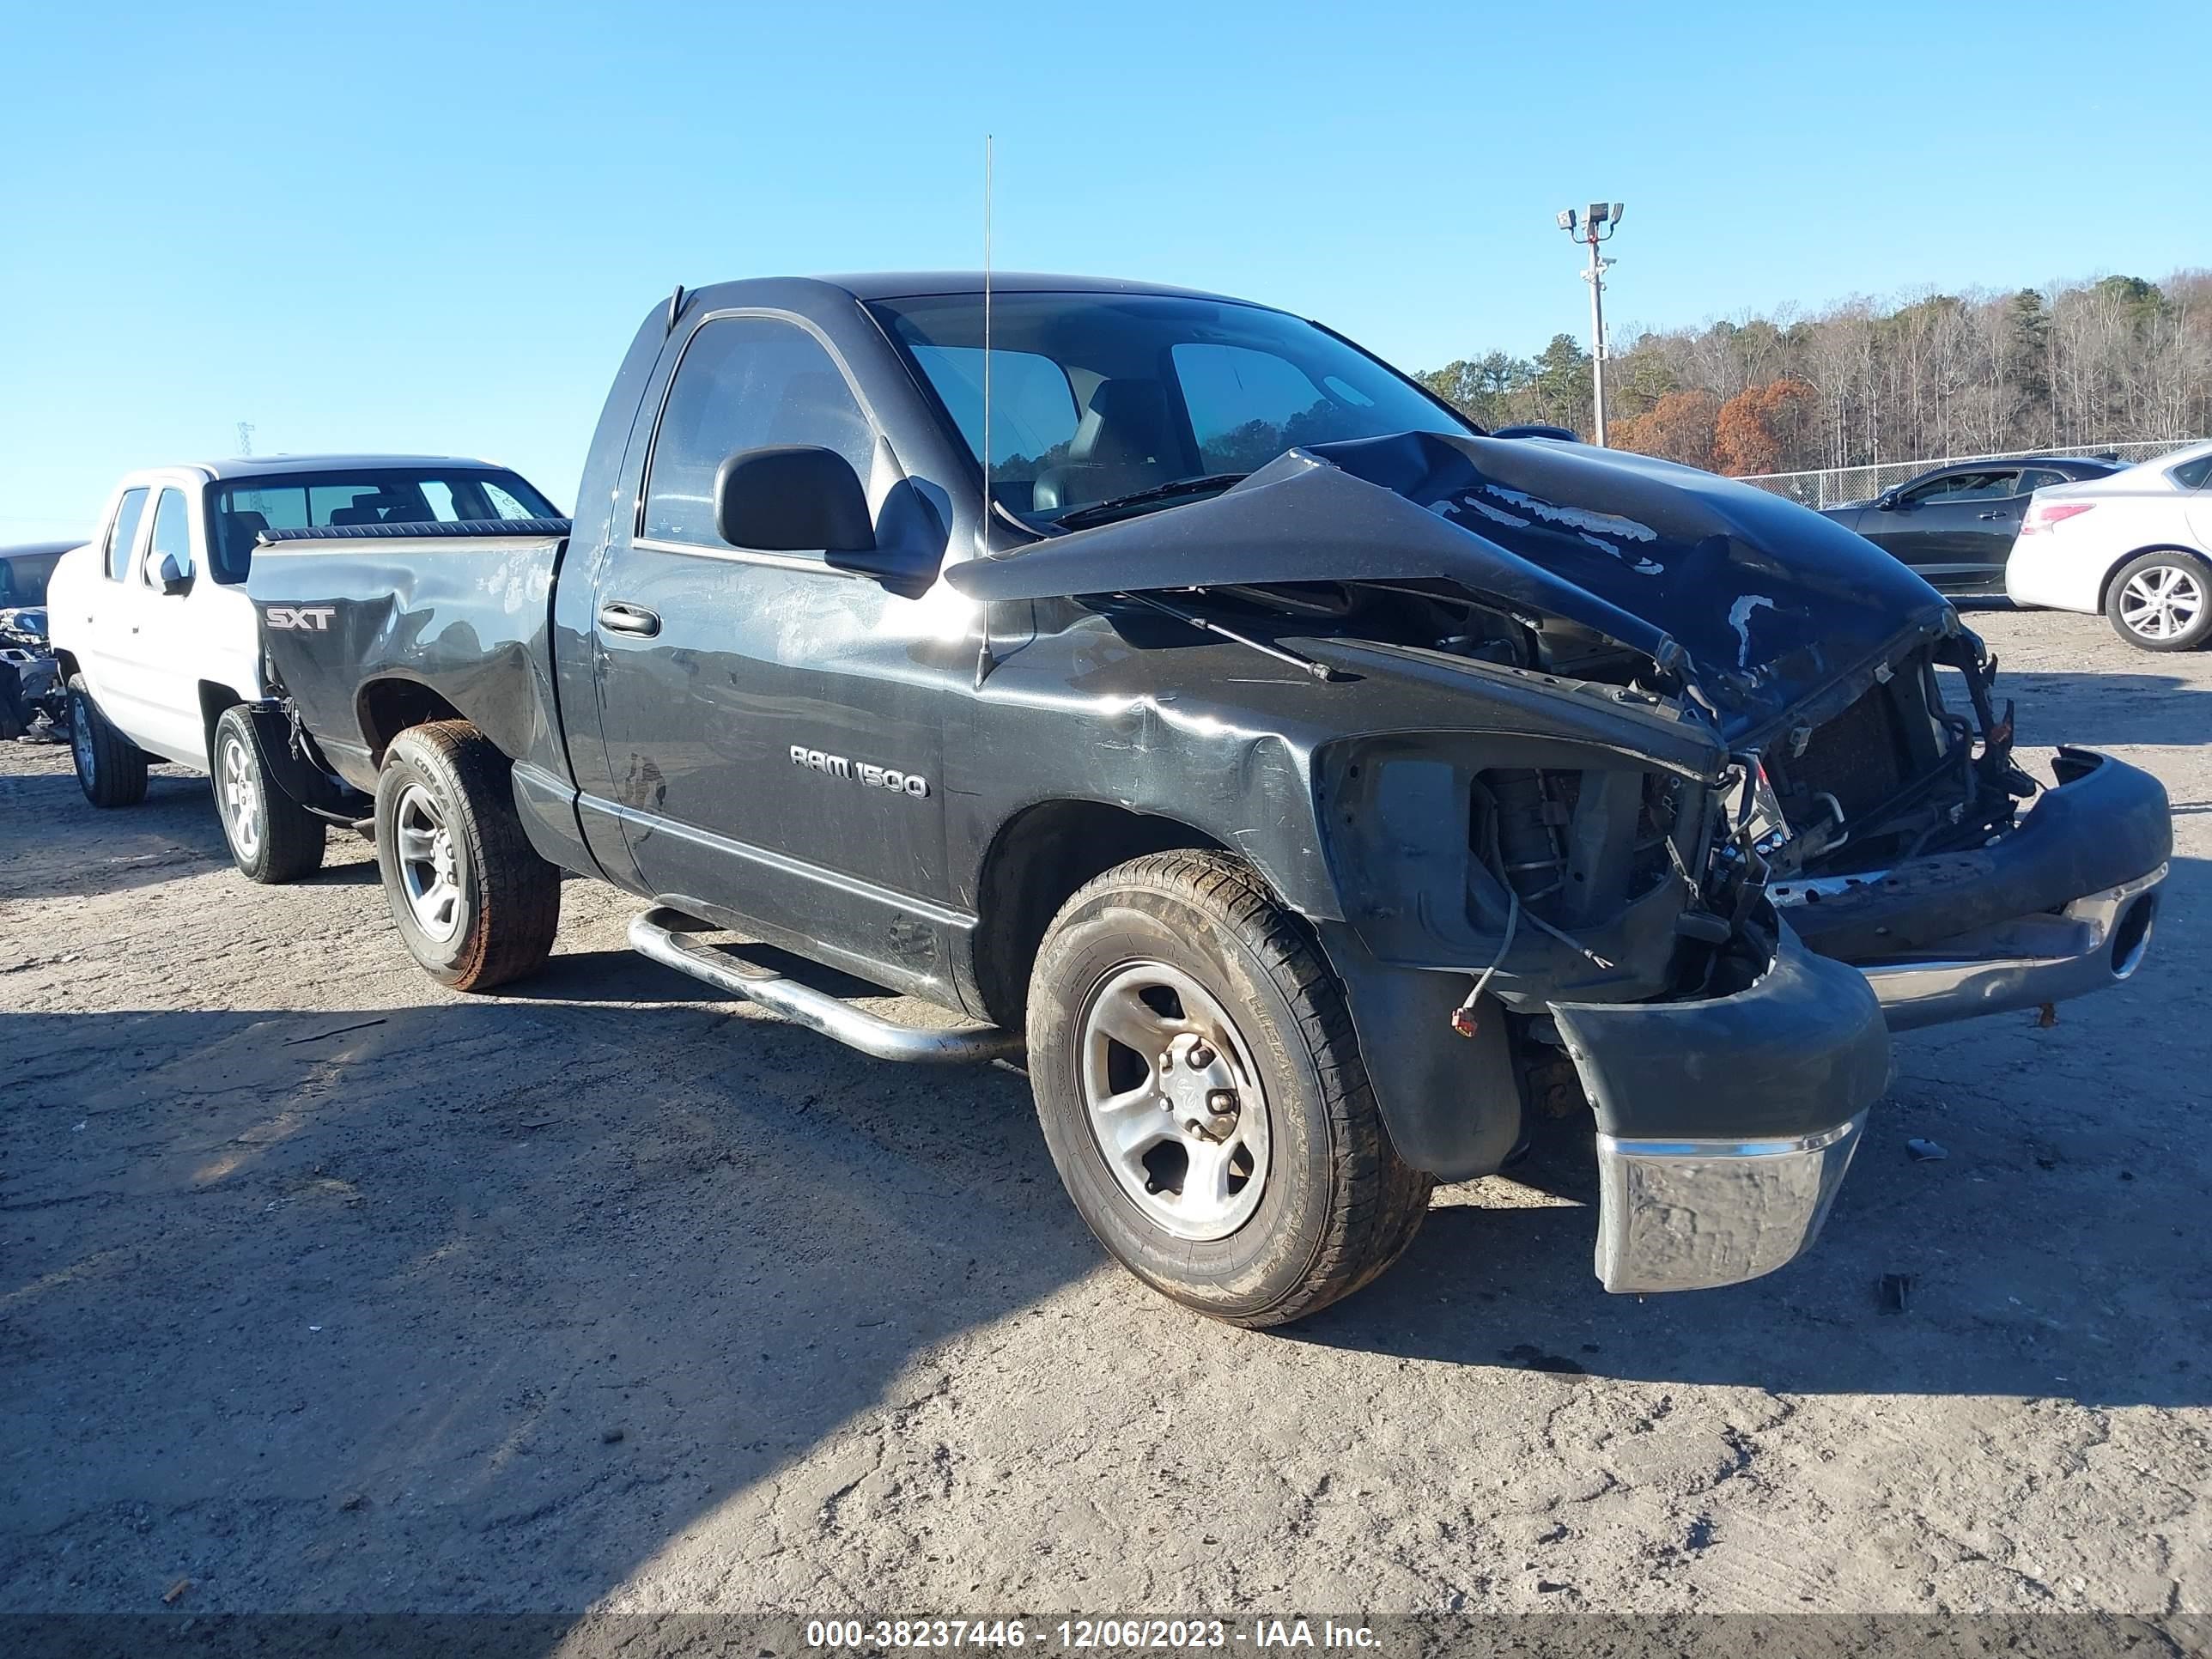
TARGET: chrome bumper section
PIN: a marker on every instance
(1688, 1215)
(2098, 940)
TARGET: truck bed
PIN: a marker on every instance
(461, 607)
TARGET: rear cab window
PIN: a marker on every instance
(241, 508)
(122, 534)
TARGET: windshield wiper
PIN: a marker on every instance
(1076, 517)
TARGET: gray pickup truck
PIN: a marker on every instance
(1305, 782)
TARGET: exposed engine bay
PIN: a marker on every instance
(1898, 773)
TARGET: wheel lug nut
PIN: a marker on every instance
(1201, 1057)
(1221, 1101)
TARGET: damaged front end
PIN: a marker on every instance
(1721, 794)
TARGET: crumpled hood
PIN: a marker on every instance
(1761, 600)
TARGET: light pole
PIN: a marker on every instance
(1598, 220)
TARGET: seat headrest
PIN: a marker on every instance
(1128, 421)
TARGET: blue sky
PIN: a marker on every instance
(434, 227)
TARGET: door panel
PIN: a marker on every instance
(105, 649)
(2200, 513)
(774, 728)
(840, 847)
(1954, 531)
(169, 650)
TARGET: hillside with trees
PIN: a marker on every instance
(2112, 361)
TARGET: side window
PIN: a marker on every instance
(122, 534)
(744, 382)
(1961, 486)
(173, 537)
(1033, 413)
(1247, 407)
(2037, 478)
(2194, 475)
(505, 505)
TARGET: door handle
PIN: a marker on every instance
(617, 618)
(1996, 515)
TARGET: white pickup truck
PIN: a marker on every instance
(161, 649)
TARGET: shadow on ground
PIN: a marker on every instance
(578, 1274)
(78, 848)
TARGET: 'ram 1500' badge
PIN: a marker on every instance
(876, 777)
(315, 617)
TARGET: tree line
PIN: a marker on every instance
(2111, 360)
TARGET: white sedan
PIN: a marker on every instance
(2133, 545)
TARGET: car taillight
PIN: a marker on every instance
(2040, 517)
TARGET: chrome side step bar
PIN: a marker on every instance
(660, 933)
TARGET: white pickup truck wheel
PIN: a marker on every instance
(110, 768)
(474, 903)
(1200, 1088)
(273, 839)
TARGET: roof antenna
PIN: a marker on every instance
(985, 531)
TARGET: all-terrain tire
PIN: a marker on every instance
(1338, 1205)
(2137, 607)
(110, 768)
(273, 839)
(446, 778)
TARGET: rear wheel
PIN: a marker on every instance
(273, 839)
(2162, 601)
(1202, 1091)
(110, 768)
(475, 903)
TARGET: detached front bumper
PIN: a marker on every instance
(2098, 939)
(2062, 906)
(1725, 1124)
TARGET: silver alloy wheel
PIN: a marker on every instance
(1174, 1100)
(429, 868)
(88, 763)
(2162, 602)
(237, 790)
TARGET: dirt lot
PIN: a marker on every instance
(325, 1288)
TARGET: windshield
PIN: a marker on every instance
(242, 508)
(1096, 398)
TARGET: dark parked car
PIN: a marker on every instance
(24, 571)
(1310, 784)
(1956, 525)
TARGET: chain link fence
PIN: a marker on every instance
(1833, 486)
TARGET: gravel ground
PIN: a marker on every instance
(325, 1289)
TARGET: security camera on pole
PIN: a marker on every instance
(1598, 220)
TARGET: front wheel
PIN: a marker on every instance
(475, 903)
(1200, 1090)
(110, 768)
(2162, 601)
(273, 839)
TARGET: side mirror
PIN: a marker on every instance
(792, 498)
(175, 578)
